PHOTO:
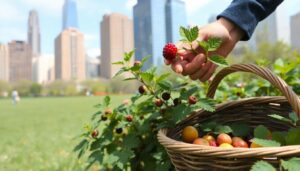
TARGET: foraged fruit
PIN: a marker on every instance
(95, 133)
(224, 138)
(226, 145)
(119, 130)
(137, 63)
(239, 142)
(103, 118)
(213, 143)
(189, 134)
(176, 101)
(253, 145)
(201, 141)
(166, 96)
(192, 100)
(211, 140)
(170, 51)
(142, 89)
(158, 102)
(129, 118)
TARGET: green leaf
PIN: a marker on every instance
(209, 126)
(131, 141)
(123, 157)
(186, 94)
(293, 137)
(166, 85)
(118, 63)
(162, 77)
(106, 101)
(194, 33)
(265, 143)
(189, 34)
(206, 104)
(292, 164)
(262, 166)
(240, 129)
(146, 58)
(294, 117)
(179, 112)
(261, 132)
(222, 129)
(80, 145)
(121, 71)
(281, 118)
(213, 44)
(279, 137)
(128, 79)
(147, 77)
(219, 60)
(204, 45)
(128, 56)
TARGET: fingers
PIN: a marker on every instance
(208, 73)
(194, 65)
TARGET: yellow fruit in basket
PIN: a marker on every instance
(253, 145)
(224, 138)
(209, 138)
(226, 145)
(201, 141)
(189, 134)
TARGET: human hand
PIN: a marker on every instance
(192, 60)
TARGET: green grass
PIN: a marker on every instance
(38, 133)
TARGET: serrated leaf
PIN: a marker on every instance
(261, 132)
(222, 129)
(189, 34)
(218, 60)
(204, 45)
(206, 104)
(106, 101)
(118, 63)
(208, 127)
(147, 77)
(281, 118)
(128, 56)
(194, 33)
(166, 85)
(265, 143)
(240, 129)
(179, 112)
(80, 145)
(186, 94)
(131, 141)
(279, 137)
(294, 117)
(292, 164)
(213, 44)
(293, 137)
(121, 71)
(162, 77)
(262, 166)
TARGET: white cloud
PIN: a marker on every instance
(9, 12)
(90, 37)
(53, 7)
(130, 3)
(93, 52)
(193, 5)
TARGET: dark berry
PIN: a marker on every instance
(158, 102)
(95, 133)
(137, 63)
(192, 100)
(142, 117)
(166, 96)
(170, 51)
(142, 89)
(103, 118)
(119, 130)
(129, 118)
(108, 111)
(176, 101)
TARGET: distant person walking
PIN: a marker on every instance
(15, 97)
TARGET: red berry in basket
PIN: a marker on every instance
(189, 134)
(239, 142)
(170, 51)
(129, 118)
(158, 102)
(95, 133)
(166, 96)
(192, 100)
(142, 89)
(224, 138)
(201, 141)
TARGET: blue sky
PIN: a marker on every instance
(14, 16)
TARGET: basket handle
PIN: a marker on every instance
(263, 73)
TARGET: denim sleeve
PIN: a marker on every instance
(247, 13)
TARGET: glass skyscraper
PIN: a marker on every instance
(153, 20)
(34, 36)
(70, 14)
(175, 17)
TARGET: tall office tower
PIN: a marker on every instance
(43, 66)
(295, 28)
(175, 17)
(20, 61)
(116, 39)
(34, 36)
(70, 55)
(150, 30)
(92, 67)
(70, 14)
(4, 63)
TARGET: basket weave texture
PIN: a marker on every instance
(253, 111)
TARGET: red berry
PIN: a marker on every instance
(166, 96)
(142, 89)
(137, 63)
(158, 102)
(95, 133)
(170, 51)
(129, 118)
(192, 100)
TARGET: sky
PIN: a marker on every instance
(14, 17)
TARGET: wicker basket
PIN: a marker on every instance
(252, 111)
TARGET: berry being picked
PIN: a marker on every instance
(103, 118)
(137, 63)
(239, 142)
(166, 96)
(170, 51)
(119, 130)
(176, 101)
(158, 102)
(192, 100)
(129, 118)
(142, 89)
(95, 133)
(226, 145)
(201, 141)
(189, 134)
(224, 138)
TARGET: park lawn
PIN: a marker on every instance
(38, 133)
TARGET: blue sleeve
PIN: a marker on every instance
(247, 13)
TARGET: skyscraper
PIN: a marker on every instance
(295, 27)
(70, 55)
(20, 61)
(44, 66)
(116, 39)
(4, 63)
(34, 36)
(70, 14)
(175, 17)
(150, 30)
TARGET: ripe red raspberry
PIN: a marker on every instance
(170, 51)
(192, 100)
(95, 133)
(129, 118)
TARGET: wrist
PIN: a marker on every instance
(235, 31)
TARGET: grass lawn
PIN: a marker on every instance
(38, 133)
